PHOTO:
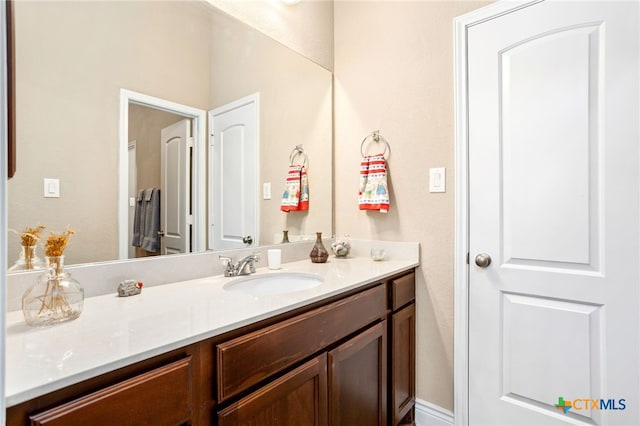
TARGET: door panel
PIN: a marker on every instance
(175, 191)
(554, 200)
(297, 398)
(234, 178)
(545, 106)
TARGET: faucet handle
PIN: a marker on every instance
(225, 260)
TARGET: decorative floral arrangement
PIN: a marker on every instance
(29, 238)
(57, 242)
(56, 297)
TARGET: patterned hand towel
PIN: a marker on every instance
(296, 190)
(374, 194)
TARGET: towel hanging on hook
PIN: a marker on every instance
(374, 192)
(376, 137)
(298, 151)
(296, 190)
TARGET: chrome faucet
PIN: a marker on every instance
(245, 266)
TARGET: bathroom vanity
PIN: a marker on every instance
(341, 353)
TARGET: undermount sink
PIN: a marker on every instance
(276, 283)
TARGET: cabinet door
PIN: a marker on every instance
(403, 337)
(297, 398)
(358, 379)
(159, 397)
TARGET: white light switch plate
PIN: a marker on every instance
(437, 179)
(51, 188)
(266, 191)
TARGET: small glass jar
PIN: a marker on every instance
(28, 260)
(56, 297)
(341, 246)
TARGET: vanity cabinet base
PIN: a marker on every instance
(348, 360)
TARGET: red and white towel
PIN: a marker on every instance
(374, 193)
(296, 190)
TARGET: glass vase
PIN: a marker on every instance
(319, 254)
(28, 260)
(56, 297)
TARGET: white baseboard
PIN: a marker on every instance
(428, 414)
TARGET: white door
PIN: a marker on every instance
(131, 195)
(233, 186)
(175, 181)
(554, 201)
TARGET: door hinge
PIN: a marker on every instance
(190, 143)
(190, 219)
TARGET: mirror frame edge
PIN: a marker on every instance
(10, 87)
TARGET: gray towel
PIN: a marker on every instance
(138, 220)
(150, 238)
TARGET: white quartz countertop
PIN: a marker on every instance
(113, 332)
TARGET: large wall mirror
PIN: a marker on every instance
(73, 59)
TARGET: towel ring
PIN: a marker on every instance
(376, 138)
(299, 151)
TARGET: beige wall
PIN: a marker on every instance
(306, 27)
(295, 108)
(69, 72)
(394, 72)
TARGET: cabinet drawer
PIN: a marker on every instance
(403, 290)
(159, 397)
(245, 361)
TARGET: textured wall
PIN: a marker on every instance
(394, 72)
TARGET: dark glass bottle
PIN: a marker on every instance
(319, 254)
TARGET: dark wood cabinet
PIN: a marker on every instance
(358, 379)
(349, 360)
(159, 397)
(403, 349)
(297, 398)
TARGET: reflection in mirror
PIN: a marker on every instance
(68, 112)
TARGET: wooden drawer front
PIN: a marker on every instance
(245, 361)
(403, 290)
(159, 397)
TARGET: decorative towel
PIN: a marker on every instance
(150, 239)
(138, 220)
(374, 193)
(296, 190)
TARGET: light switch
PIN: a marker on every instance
(51, 188)
(437, 179)
(266, 191)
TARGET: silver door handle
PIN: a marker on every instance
(161, 233)
(248, 240)
(483, 260)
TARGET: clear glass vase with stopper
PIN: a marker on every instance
(27, 260)
(56, 297)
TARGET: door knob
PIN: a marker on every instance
(247, 240)
(483, 260)
(161, 233)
